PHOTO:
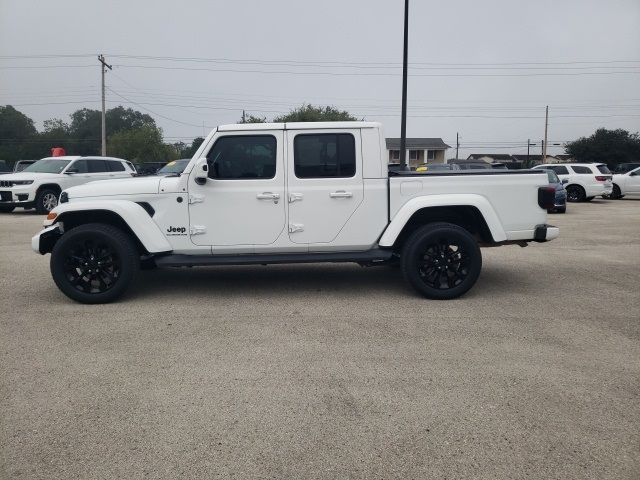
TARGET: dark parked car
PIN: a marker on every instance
(174, 168)
(560, 205)
(148, 168)
(20, 165)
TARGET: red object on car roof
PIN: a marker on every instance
(58, 152)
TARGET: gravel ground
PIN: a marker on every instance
(331, 371)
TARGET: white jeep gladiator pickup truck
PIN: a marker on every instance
(292, 193)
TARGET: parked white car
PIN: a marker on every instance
(293, 193)
(585, 180)
(40, 184)
(626, 184)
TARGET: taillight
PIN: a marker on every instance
(547, 197)
(601, 178)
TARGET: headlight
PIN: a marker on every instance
(22, 182)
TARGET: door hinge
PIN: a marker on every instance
(295, 197)
(197, 229)
(296, 227)
(196, 199)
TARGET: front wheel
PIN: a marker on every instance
(441, 261)
(6, 209)
(616, 194)
(94, 263)
(46, 200)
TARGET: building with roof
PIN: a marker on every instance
(420, 150)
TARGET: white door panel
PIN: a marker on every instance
(241, 208)
(320, 207)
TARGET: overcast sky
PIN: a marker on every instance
(483, 69)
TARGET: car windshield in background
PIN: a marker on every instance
(553, 178)
(177, 166)
(47, 166)
(604, 169)
(438, 167)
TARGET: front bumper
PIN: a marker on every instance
(16, 197)
(544, 233)
(43, 241)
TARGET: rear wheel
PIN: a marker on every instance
(94, 263)
(441, 261)
(6, 209)
(46, 200)
(575, 193)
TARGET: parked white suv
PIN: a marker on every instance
(39, 185)
(626, 184)
(585, 180)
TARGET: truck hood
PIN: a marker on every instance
(30, 176)
(122, 186)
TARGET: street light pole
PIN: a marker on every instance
(403, 122)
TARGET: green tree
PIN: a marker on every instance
(607, 146)
(143, 144)
(252, 119)
(310, 113)
(17, 134)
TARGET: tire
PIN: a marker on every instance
(441, 261)
(616, 193)
(46, 200)
(561, 209)
(575, 193)
(88, 244)
(6, 209)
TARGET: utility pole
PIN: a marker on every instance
(403, 122)
(457, 145)
(244, 119)
(528, 161)
(103, 69)
(546, 127)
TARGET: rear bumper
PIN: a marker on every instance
(544, 233)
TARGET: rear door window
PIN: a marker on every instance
(324, 155)
(581, 170)
(97, 166)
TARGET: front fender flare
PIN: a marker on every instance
(132, 214)
(401, 218)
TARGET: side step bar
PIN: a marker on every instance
(369, 256)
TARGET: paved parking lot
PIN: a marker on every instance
(331, 371)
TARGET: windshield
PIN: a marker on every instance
(177, 166)
(47, 166)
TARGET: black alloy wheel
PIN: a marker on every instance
(94, 263)
(441, 261)
(575, 193)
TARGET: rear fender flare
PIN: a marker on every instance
(401, 218)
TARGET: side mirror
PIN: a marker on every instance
(565, 181)
(71, 171)
(201, 171)
(633, 174)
